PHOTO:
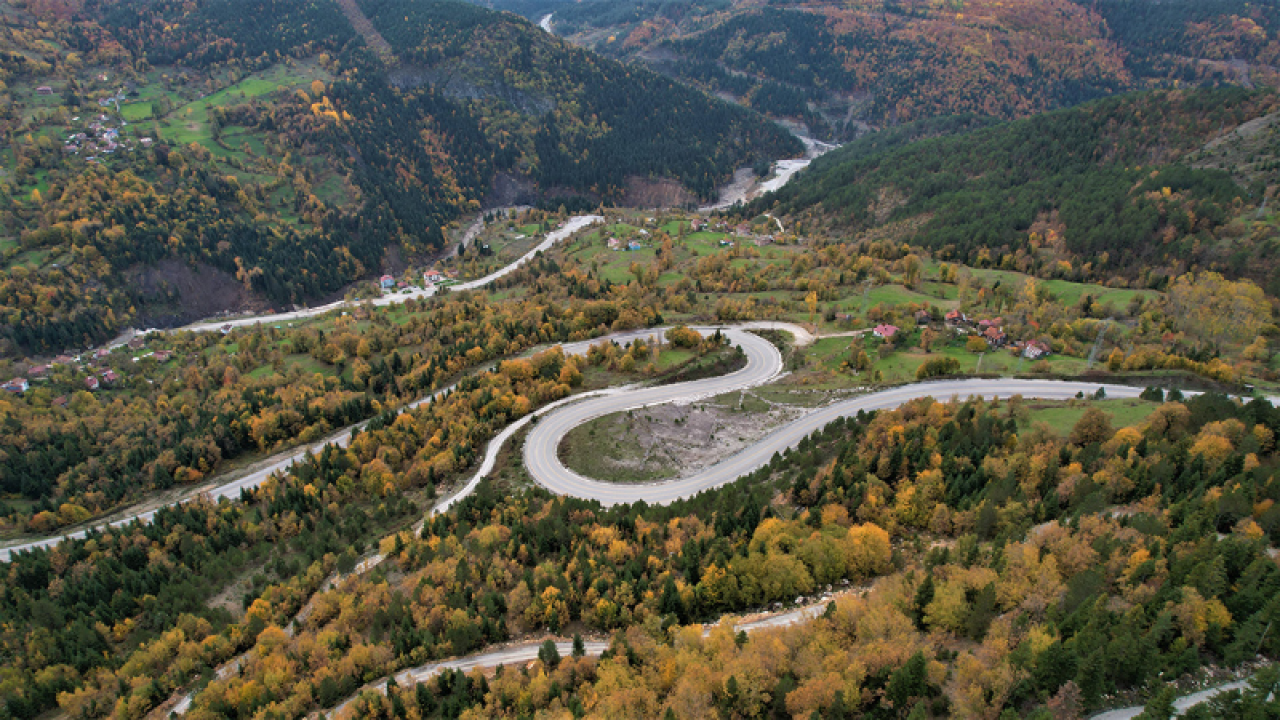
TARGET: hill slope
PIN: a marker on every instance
(278, 161)
(837, 66)
(1126, 187)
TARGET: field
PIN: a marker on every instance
(189, 122)
(1061, 417)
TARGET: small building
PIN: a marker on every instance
(387, 282)
(17, 385)
(226, 328)
(44, 90)
(633, 245)
(432, 277)
(110, 377)
(61, 401)
(91, 383)
(1035, 349)
(922, 317)
(163, 355)
(40, 371)
(146, 141)
(614, 243)
(102, 353)
(955, 317)
(885, 331)
(137, 342)
(994, 336)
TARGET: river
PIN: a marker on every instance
(746, 187)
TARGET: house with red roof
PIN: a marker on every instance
(1035, 349)
(17, 385)
(885, 331)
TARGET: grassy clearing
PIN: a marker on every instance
(1060, 417)
(136, 112)
(190, 122)
(305, 364)
(828, 354)
(670, 358)
(1067, 292)
(604, 447)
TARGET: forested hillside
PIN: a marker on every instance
(995, 568)
(166, 161)
(838, 65)
(1123, 187)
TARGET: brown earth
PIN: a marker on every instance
(649, 193)
(202, 291)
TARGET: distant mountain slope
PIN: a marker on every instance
(836, 65)
(261, 145)
(1122, 187)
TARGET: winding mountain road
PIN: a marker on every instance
(764, 363)
(570, 227)
(528, 652)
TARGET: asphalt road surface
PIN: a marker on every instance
(570, 227)
(541, 448)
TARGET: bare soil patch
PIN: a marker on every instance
(669, 441)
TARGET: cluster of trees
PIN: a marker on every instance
(499, 566)
(994, 615)
(910, 62)
(1165, 41)
(574, 120)
(985, 196)
(217, 402)
(503, 564)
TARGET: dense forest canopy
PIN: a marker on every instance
(839, 66)
(1121, 185)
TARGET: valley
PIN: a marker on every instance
(516, 359)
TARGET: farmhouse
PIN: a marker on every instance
(885, 331)
(1035, 349)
